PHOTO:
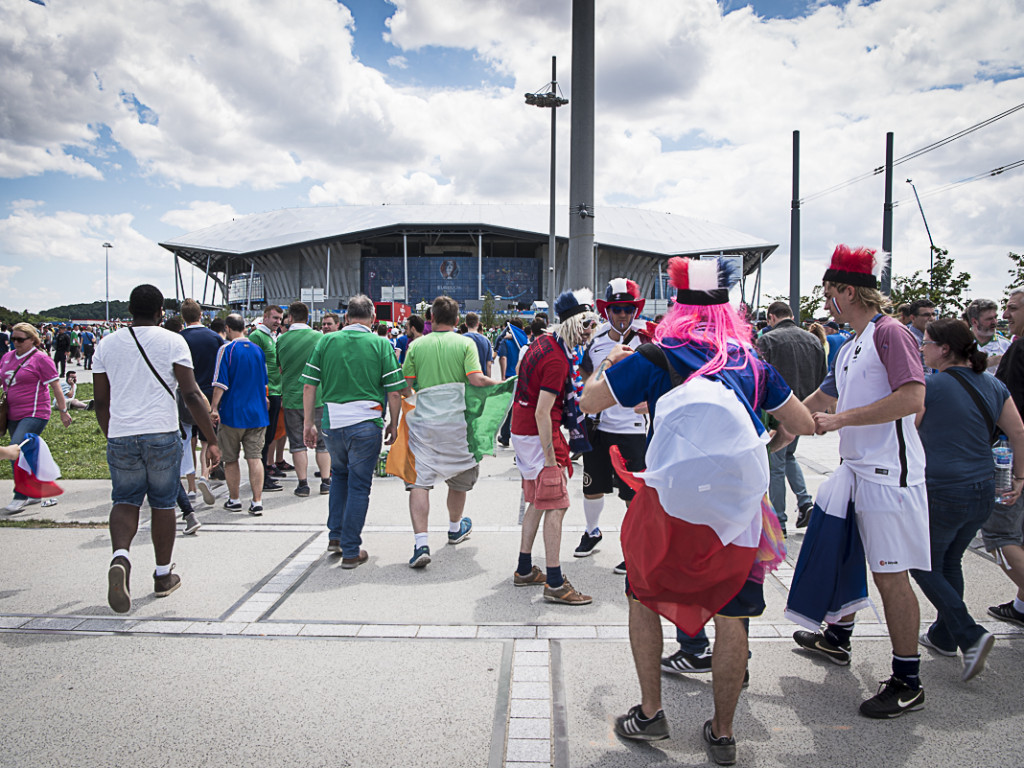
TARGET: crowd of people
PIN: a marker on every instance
(917, 401)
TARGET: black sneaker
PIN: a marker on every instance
(893, 699)
(722, 749)
(284, 466)
(256, 510)
(269, 486)
(325, 488)
(816, 641)
(118, 578)
(587, 544)
(272, 471)
(233, 506)
(302, 490)
(681, 663)
(1006, 612)
(632, 726)
(804, 516)
(620, 568)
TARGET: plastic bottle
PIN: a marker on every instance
(1003, 457)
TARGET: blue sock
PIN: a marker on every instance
(907, 669)
(839, 633)
(555, 579)
(525, 564)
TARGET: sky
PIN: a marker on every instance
(136, 121)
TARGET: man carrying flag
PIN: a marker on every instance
(876, 389)
(439, 366)
(693, 542)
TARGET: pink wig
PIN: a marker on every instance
(718, 326)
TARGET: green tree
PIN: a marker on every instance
(1016, 272)
(488, 317)
(947, 289)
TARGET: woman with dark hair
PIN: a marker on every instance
(956, 430)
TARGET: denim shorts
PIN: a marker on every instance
(145, 465)
(1005, 526)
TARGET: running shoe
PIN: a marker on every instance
(816, 641)
(894, 698)
(632, 725)
(1004, 612)
(974, 657)
(587, 544)
(722, 749)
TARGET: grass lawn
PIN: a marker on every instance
(79, 450)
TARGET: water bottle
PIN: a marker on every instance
(1003, 457)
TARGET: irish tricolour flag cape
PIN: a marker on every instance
(447, 429)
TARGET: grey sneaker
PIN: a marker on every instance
(722, 749)
(632, 726)
(204, 488)
(974, 657)
(192, 524)
(119, 574)
(164, 585)
(325, 488)
(926, 641)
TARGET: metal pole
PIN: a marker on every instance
(327, 286)
(405, 264)
(794, 233)
(206, 278)
(552, 289)
(480, 266)
(580, 267)
(886, 284)
(931, 253)
(248, 289)
(106, 254)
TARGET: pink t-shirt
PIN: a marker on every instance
(27, 395)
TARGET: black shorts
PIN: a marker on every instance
(748, 603)
(598, 474)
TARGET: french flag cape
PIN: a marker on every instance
(35, 470)
(830, 580)
(700, 525)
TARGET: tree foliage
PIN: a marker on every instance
(488, 317)
(1016, 272)
(96, 310)
(947, 289)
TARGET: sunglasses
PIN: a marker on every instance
(16, 339)
(626, 308)
(589, 324)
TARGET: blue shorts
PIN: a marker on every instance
(145, 465)
(748, 603)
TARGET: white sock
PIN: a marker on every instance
(235, 501)
(121, 553)
(163, 570)
(421, 540)
(592, 511)
(455, 527)
(1018, 605)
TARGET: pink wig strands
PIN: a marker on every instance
(718, 326)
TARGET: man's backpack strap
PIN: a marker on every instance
(657, 355)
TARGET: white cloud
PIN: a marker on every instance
(695, 113)
(398, 62)
(199, 215)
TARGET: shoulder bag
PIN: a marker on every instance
(181, 429)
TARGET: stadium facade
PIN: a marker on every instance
(417, 252)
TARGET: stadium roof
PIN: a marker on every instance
(630, 229)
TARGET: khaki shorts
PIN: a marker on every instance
(464, 481)
(293, 420)
(231, 439)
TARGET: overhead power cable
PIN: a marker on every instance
(915, 154)
(976, 177)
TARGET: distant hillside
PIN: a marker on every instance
(97, 310)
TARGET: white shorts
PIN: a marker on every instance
(893, 526)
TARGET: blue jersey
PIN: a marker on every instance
(242, 374)
(637, 380)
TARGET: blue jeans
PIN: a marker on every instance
(783, 466)
(954, 517)
(354, 452)
(145, 466)
(18, 429)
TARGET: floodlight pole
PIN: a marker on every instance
(106, 259)
(931, 253)
(550, 99)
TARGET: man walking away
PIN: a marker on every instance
(136, 371)
(264, 336)
(353, 372)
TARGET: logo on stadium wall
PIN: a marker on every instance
(449, 269)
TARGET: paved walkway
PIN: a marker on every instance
(270, 653)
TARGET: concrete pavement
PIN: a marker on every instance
(271, 653)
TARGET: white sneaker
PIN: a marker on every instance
(16, 506)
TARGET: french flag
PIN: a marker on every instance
(35, 470)
(699, 523)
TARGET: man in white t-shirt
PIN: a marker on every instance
(135, 374)
(982, 315)
(875, 391)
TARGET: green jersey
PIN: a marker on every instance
(293, 350)
(441, 357)
(354, 370)
(262, 339)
